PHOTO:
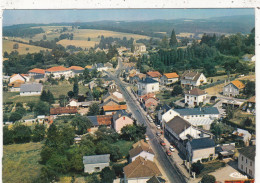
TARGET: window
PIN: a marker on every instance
(241, 167)
(242, 158)
(250, 172)
(188, 97)
(251, 164)
(97, 168)
(246, 160)
(195, 98)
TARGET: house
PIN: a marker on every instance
(163, 109)
(118, 95)
(95, 163)
(109, 102)
(147, 85)
(200, 148)
(155, 179)
(31, 89)
(233, 88)
(110, 110)
(141, 149)
(139, 47)
(178, 131)
(149, 103)
(58, 71)
(140, 170)
(250, 108)
(246, 160)
(192, 78)
(100, 67)
(154, 75)
(76, 70)
(108, 96)
(135, 78)
(16, 85)
(100, 120)
(120, 119)
(18, 77)
(37, 73)
(243, 135)
(62, 111)
(248, 57)
(225, 151)
(195, 96)
(89, 67)
(73, 103)
(169, 78)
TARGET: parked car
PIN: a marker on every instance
(171, 148)
(158, 127)
(169, 153)
(146, 138)
(162, 143)
(158, 134)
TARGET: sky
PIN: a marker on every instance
(11, 17)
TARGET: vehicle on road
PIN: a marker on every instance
(158, 134)
(169, 153)
(171, 148)
(158, 127)
(162, 143)
(146, 138)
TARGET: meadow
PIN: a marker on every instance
(21, 162)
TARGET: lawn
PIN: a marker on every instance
(240, 116)
(124, 146)
(15, 97)
(20, 162)
(166, 98)
(8, 47)
(63, 88)
(211, 167)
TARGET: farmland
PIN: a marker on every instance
(21, 162)
(8, 47)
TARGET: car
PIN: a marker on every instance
(158, 127)
(158, 134)
(162, 143)
(146, 138)
(169, 153)
(171, 148)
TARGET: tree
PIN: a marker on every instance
(31, 105)
(22, 134)
(63, 100)
(208, 179)
(249, 89)
(16, 46)
(71, 94)
(38, 133)
(15, 116)
(18, 104)
(87, 76)
(81, 124)
(8, 136)
(248, 122)
(133, 132)
(41, 108)
(44, 37)
(107, 175)
(173, 41)
(197, 167)
(93, 109)
(177, 90)
(229, 112)
(50, 97)
(43, 96)
(76, 87)
(164, 43)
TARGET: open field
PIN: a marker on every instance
(20, 162)
(185, 34)
(15, 97)
(8, 47)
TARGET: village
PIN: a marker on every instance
(131, 111)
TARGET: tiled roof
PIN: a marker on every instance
(57, 68)
(108, 101)
(154, 74)
(88, 67)
(63, 110)
(96, 159)
(18, 74)
(202, 143)
(191, 74)
(155, 179)
(16, 83)
(93, 120)
(197, 111)
(249, 152)
(114, 107)
(141, 167)
(36, 70)
(33, 87)
(132, 75)
(141, 76)
(238, 84)
(104, 119)
(76, 68)
(148, 81)
(171, 75)
(120, 113)
(252, 99)
(178, 124)
(196, 91)
(142, 146)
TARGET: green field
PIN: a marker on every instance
(20, 162)
(8, 47)
(15, 97)
(124, 146)
(166, 98)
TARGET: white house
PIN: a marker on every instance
(193, 78)
(169, 78)
(141, 149)
(37, 73)
(95, 163)
(242, 135)
(73, 103)
(195, 96)
(246, 160)
(147, 85)
(118, 95)
(59, 71)
(100, 67)
(18, 77)
(31, 89)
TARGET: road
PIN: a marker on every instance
(169, 167)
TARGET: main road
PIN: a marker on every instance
(169, 167)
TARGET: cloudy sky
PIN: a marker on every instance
(11, 17)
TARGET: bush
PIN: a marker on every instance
(208, 179)
(197, 167)
(204, 160)
(22, 134)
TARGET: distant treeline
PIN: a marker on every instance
(21, 32)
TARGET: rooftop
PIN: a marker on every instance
(197, 111)
(120, 113)
(238, 84)
(100, 120)
(141, 167)
(196, 91)
(140, 147)
(36, 70)
(95, 159)
(154, 74)
(33, 87)
(178, 124)
(171, 75)
(191, 74)
(115, 107)
(63, 110)
(252, 99)
(249, 152)
(202, 143)
(76, 68)
(148, 81)
(57, 69)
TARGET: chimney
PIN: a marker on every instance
(124, 118)
(119, 115)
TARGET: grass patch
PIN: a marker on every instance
(20, 162)
(15, 97)
(8, 47)
(240, 116)
(166, 98)
(211, 167)
(124, 146)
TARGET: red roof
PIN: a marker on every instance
(36, 70)
(104, 119)
(63, 110)
(76, 68)
(114, 107)
(57, 68)
(154, 74)
(171, 75)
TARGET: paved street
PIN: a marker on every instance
(170, 168)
